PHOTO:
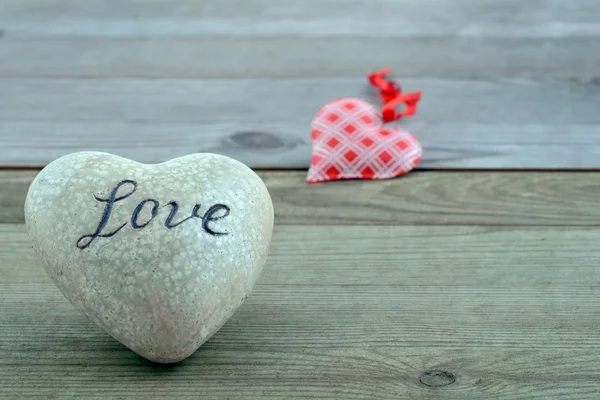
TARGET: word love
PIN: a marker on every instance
(86, 240)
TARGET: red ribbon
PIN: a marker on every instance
(392, 96)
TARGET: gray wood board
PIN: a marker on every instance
(298, 56)
(500, 123)
(315, 38)
(420, 198)
(341, 312)
(398, 18)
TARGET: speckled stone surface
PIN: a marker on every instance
(160, 256)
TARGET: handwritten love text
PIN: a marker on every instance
(209, 216)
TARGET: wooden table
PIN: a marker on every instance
(475, 277)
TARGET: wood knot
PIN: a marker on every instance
(257, 140)
(436, 378)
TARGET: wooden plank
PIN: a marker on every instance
(279, 56)
(512, 123)
(261, 38)
(13, 191)
(420, 198)
(510, 18)
(342, 312)
(446, 198)
(396, 18)
(449, 257)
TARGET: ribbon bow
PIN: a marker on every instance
(392, 96)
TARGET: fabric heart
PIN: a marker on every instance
(349, 141)
(159, 256)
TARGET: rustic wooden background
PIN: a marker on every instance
(476, 277)
(506, 83)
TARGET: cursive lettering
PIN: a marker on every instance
(174, 207)
(110, 201)
(138, 210)
(129, 186)
(208, 217)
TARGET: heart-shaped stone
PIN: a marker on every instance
(350, 142)
(160, 256)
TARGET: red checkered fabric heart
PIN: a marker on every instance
(350, 142)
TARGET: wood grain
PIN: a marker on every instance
(13, 190)
(420, 198)
(261, 38)
(398, 18)
(507, 84)
(511, 123)
(421, 256)
(298, 57)
(342, 312)
(436, 285)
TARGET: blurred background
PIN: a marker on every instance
(506, 83)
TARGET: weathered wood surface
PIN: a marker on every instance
(398, 18)
(516, 123)
(485, 284)
(298, 57)
(507, 84)
(419, 198)
(356, 312)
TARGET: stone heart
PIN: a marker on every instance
(160, 256)
(350, 142)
